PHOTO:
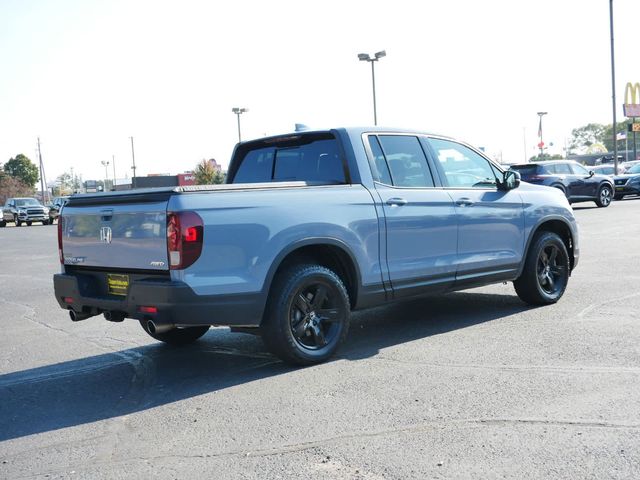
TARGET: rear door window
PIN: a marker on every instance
(563, 169)
(405, 164)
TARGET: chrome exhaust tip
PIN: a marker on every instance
(154, 328)
(76, 317)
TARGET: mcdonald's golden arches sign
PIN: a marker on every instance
(631, 98)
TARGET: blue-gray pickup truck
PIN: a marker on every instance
(309, 227)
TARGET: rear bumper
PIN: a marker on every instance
(176, 302)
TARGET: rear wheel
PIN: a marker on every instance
(605, 194)
(546, 270)
(3, 223)
(308, 314)
(177, 336)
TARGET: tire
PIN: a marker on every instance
(605, 195)
(16, 221)
(546, 270)
(179, 335)
(28, 223)
(618, 197)
(45, 222)
(3, 224)
(307, 316)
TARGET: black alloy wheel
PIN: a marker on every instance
(545, 275)
(551, 269)
(605, 195)
(314, 316)
(307, 315)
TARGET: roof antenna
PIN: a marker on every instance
(301, 127)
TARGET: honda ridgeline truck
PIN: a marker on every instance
(309, 227)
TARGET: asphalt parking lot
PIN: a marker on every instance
(467, 385)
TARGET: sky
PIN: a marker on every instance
(86, 75)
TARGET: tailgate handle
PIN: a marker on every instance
(106, 215)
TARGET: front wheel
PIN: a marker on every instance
(3, 223)
(307, 317)
(17, 222)
(28, 223)
(605, 194)
(546, 270)
(177, 336)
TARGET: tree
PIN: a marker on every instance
(583, 137)
(545, 157)
(12, 187)
(206, 174)
(22, 169)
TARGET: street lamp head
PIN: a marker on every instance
(381, 54)
(238, 110)
(542, 113)
(364, 57)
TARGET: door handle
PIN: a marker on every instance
(464, 202)
(396, 202)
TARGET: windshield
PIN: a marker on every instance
(27, 202)
(634, 169)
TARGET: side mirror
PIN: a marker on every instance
(510, 180)
(591, 173)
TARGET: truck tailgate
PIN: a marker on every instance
(120, 236)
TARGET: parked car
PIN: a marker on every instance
(24, 210)
(308, 227)
(606, 159)
(575, 181)
(628, 183)
(624, 166)
(55, 207)
(604, 170)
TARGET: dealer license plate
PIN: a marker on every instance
(117, 284)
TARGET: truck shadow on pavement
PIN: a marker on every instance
(106, 386)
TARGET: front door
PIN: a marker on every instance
(490, 221)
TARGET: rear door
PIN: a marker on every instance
(118, 236)
(421, 229)
(490, 221)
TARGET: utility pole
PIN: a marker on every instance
(42, 179)
(133, 157)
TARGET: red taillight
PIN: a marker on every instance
(68, 300)
(60, 228)
(146, 309)
(185, 232)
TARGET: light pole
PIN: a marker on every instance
(239, 111)
(105, 164)
(364, 57)
(133, 157)
(613, 92)
(541, 143)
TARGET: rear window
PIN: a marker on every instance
(315, 160)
